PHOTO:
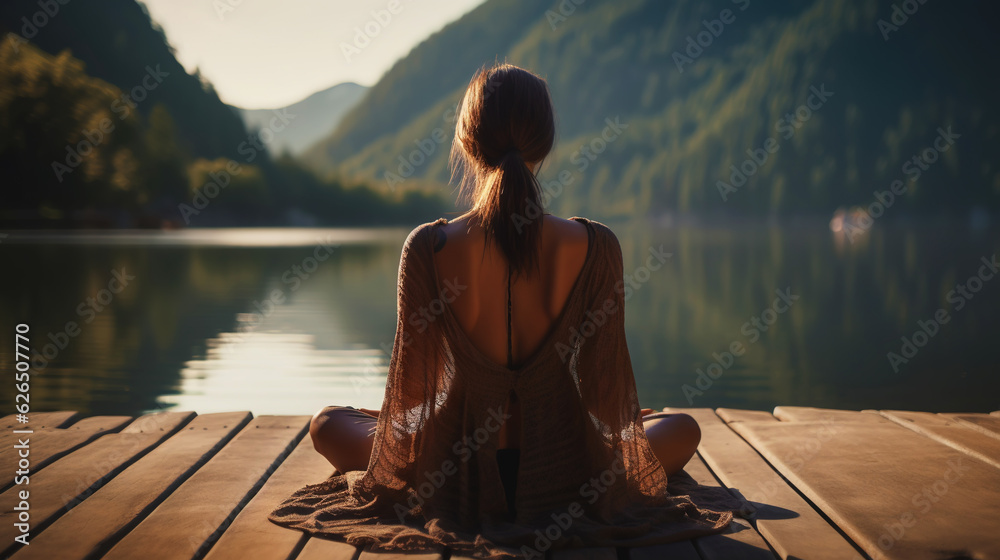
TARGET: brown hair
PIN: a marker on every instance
(505, 122)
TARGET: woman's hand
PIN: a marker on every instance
(370, 412)
(646, 412)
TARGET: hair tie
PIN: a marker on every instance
(499, 161)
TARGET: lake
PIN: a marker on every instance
(748, 317)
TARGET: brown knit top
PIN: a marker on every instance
(587, 474)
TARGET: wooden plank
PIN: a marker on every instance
(325, 549)
(810, 414)
(600, 553)
(736, 415)
(784, 519)
(252, 535)
(48, 444)
(896, 493)
(742, 541)
(682, 550)
(984, 423)
(40, 420)
(511, 549)
(100, 520)
(68, 481)
(186, 524)
(950, 433)
(38, 423)
(369, 555)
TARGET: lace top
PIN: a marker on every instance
(587, 475)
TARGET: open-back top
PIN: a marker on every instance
(587, 475)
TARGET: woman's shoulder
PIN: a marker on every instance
(422, 230)
(580, 239)
(599, 228)
(571, 231)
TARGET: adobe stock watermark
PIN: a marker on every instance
(913, 168)
(375, 370)
(122, 107)
(923, 501)
(627, 286)
(562, 521)
(428, 145)
(803, 452)
(752, 330)
(291, 280)
(420, 319)
(365, 34)
(39, 19)
(131, 440)
(224, 7)
(581, 158)
(899, 16)
(87, 310)
(697, 44)
(565, 9)
(208, 530)
(463, 450)
(961, 295)
(787, 126)
(249, 149)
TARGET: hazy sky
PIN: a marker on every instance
(271, 53)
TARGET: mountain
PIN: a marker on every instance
(100, 126)
(729, 109)
(314, 117)
(119, 44)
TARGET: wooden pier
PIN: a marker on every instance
(824, 484)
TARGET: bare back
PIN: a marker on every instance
(536, 300)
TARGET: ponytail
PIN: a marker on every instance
(511, 211)
(505, 122)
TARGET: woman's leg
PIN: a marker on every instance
(344, 435)
(674, 438)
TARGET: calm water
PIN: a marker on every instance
(240, 320)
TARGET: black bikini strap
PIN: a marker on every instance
(510, 351)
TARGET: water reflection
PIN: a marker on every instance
(830, 348)
(194, 330)
(278, 372)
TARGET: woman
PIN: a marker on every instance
(510, 422)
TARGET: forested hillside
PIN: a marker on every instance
(738, 107)
(101, 126)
